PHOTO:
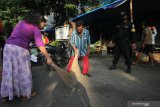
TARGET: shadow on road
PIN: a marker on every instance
(52, 92)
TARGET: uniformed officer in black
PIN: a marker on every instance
(124, 40)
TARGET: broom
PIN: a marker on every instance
(75, 69)
(68, 78)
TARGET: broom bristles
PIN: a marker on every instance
(68, 78)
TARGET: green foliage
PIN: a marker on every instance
(92, 4)
(92, 48)
(62, 9)
(11, 11)
(71, 10)
(98, 42)
(54, 43)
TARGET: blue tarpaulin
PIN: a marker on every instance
(114, 4)
(51, 30)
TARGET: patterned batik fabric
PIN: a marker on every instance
(16, 74)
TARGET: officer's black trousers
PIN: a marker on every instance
(122, 49)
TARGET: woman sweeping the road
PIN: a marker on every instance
(16, 74)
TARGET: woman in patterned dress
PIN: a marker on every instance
(16, 73)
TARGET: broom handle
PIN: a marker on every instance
(54, 65)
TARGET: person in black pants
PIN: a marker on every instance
(124, 39)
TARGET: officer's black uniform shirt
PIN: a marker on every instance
(123, 33)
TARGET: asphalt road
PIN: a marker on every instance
(104, 89)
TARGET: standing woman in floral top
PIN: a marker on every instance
(16, 74)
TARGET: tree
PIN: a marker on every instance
(11, 12)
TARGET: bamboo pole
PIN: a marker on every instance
(131, 16)
(131, 10)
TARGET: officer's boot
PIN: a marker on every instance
(128, 69)
(112, 67)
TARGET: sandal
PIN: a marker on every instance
(33, 93)
(3, 100)
(134, 62)
(25, 98)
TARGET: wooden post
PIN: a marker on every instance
(131, 16)
(131, 10)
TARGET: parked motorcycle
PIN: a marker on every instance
(58, 53)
